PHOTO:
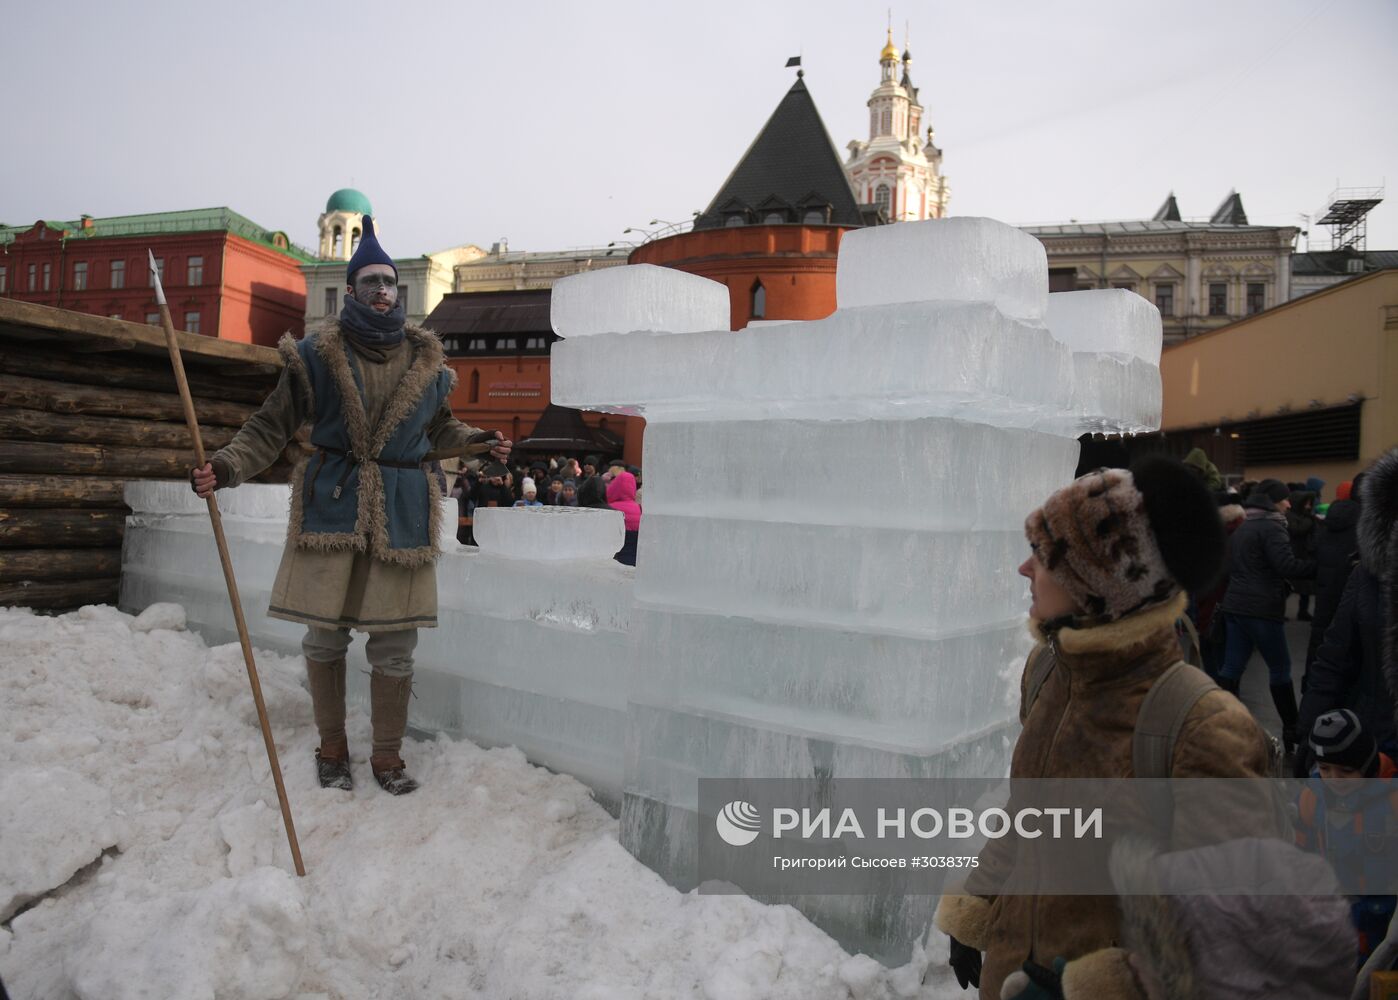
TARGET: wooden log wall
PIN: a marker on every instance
(76, 420)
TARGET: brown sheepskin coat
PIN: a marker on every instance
(1081, 726)
(350, 583)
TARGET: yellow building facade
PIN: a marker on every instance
(1307, 388)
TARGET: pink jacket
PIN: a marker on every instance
(621, 495)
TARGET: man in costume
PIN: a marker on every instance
(365, 518)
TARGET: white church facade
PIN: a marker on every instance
(899, 167)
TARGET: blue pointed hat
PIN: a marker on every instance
(368, 252)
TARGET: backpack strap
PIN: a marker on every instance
(1036, 671)
(1167, 704)
(1192, 655)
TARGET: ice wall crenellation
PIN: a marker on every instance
(826, 584)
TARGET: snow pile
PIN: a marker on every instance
(142, 848)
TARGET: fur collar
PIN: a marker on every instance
(1231, 513)
(1128, 637)
(1378, 516)
(428, 357)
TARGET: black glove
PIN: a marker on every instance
(965, 961)
(1044, 983)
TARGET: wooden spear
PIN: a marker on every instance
(173, 343)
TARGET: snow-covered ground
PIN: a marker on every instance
(137, 809)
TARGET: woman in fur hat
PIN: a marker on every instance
(1113, 556)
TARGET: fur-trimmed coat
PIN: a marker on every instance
(1081, 725)
(396, 407)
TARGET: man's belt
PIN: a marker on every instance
(354, 460)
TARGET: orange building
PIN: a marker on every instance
(498, 345)
(772, 232)
(224, 276)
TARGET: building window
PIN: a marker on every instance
(153, 319)
(33, 270)
(4, 279)
(1165, 299)
(475, 392)
(337, 243)
(1129, 286)
(476, 344)
(79, 275)
(887, 123)
(773, 218)
(1218, 298)
(118, 274)
(332, 299)
(195, 273)
(507, 344)
(733, 220)
(1256, 297)
(814, 217)
(403, 298)
(534, 344)
(159, 269)
(354, 241)
(48, 276)
(883, 198)
(759, 301)
(191, 322)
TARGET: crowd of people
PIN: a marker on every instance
(1131, 571)
(567, 482)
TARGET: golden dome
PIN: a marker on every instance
(890, 51)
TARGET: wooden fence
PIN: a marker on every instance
(85, 404)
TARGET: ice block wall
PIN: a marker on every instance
(532, 649)
(826, 584)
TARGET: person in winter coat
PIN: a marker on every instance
(1356, 667)
(1206, 471)
(1353, 822)
(621, 495)
(1113, 555)
(1336, 552)
(1209, 620)
(1260, 561)
(569, 497)
(530, 496)
(1300, 528)
(362, 537)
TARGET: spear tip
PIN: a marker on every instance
(155, 277)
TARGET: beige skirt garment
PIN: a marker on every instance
(353, 590)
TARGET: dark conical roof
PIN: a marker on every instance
(1230, 213)
(1169, 211)
(792, 156)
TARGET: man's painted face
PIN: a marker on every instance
(375, 286)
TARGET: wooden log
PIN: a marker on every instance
(58, 564)
(131, 373)
(60, 594)
(41, 425)
(60, 397)
(58, 528)
(124, 461)
(22, 490)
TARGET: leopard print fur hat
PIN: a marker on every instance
(1124, 540)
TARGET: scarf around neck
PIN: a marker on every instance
(372, 332)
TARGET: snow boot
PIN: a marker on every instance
(1284, 697)
(327, 684)
(388, 707)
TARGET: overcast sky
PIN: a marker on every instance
(561, 124)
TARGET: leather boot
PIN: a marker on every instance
(388, 707)
(327, 684)
(1284, 697)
